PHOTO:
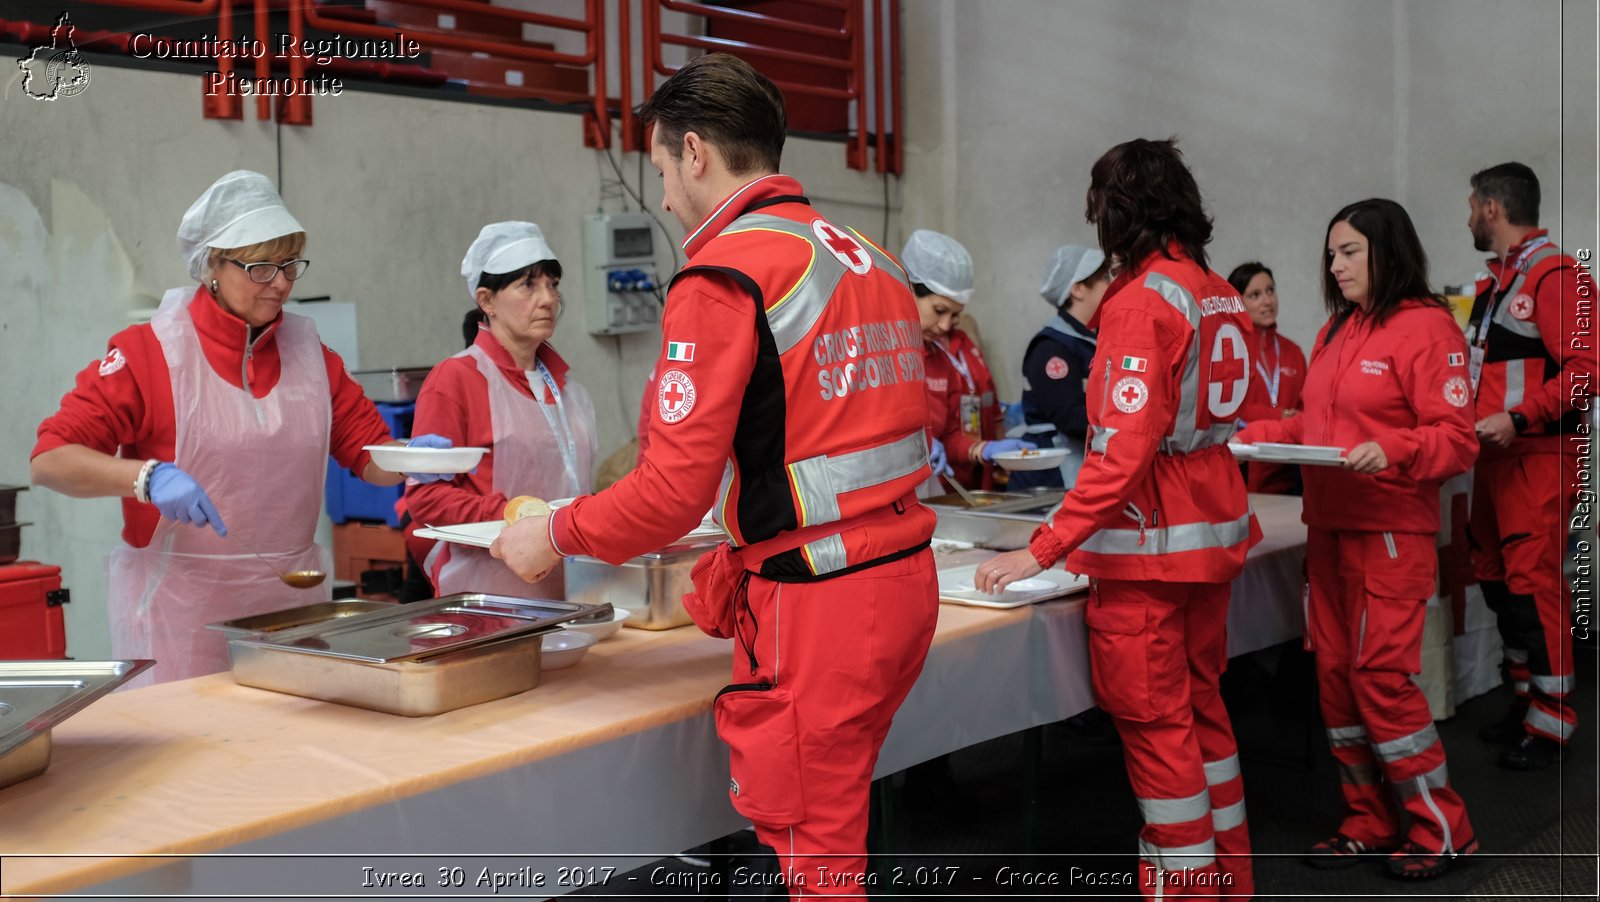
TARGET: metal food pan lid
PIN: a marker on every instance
(426, 628)
(37, 695)
(289, 618)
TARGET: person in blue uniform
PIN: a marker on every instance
(1057, 362)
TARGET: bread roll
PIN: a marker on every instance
(526, 506)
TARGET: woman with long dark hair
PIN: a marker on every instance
(1388, 380)
(1158, 517)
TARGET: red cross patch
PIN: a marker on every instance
(114, 361)
(848, 250)
(1130, 394)
(1056, 368)
(675, 396)
(1455, 391)
(1522, 306)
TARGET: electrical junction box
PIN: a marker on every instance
(621, 287)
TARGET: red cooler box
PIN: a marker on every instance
(31, 626)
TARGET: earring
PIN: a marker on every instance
(213, 286)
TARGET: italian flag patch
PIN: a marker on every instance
(1457, 360)
(680, 351)
(1134, 364)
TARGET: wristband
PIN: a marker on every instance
(1519, 421)
(141, 483)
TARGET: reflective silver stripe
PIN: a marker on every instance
(792, 316)
(1362, 774)
(1388, 545)
(1186, 422)
(1407, 746)
(1516, 381)
(1218, 434)
(1525, 328)
(819, 481)
(1422, 786)
(1338, 736)
(1553, 685)
(1170, 539)
(1177, 858)
(1176, 811)
(1039, 428)
(1438, 778)
(1227, 817)
(1101, 438)
(1218, 772)
(1517, 655)
(1361, 634)
(826, 555)
(1520, 687)
(1548, 724)
(1061, 325)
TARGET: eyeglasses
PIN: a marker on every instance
(262, 273)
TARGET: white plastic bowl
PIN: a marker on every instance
(563, 649)
(1041, 459)
(602, 630)
(400, 459)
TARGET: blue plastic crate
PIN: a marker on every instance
(350, 498)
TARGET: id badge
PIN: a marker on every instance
(1475, 366)
(971, 414)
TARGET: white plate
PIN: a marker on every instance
(480, 535)
(605, 630)
(1040, 459)
(1277, 452)
(563, 649)
(400, 459)
(956, 586)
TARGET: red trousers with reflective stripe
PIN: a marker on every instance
(1369, 594)
(1520, 509)
(849, 649)
(1156, 653)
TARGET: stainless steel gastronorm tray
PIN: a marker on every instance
(1005, 524)
(37, 695)
(425, 629)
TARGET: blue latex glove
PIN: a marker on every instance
(939, 459)
(1005, 446)
(429, 441)
(180, 498)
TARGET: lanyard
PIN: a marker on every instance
(1517, 267)
(1277, 369)
(558, 422)
(960, 363)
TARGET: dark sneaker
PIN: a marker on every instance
(1416, 862)
(1507, 729)
(1531, 753)
(1340, 851)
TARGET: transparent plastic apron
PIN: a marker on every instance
(262, 463)
(541, 448)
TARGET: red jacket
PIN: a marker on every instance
(1402, 384)
(124, 402)
(946, 387)
(1531, 364)
(454, 403)
(751, 403)
(1159, 496)
(1280, 357)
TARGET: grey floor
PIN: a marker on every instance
(1060, 793)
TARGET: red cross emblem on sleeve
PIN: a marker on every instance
(1522, 306)
(1455, 391)
(1130, 394)
(675, 397)
(843, 247)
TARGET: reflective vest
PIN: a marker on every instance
(1513, 356)
(829, 445)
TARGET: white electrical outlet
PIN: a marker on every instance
(621, 286)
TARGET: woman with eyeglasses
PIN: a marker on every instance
(511, 392)
(213, 423)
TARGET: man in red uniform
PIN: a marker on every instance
(1528, 382)
(1159, 518)
(790, 374)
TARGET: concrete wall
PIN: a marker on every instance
(1287, 109)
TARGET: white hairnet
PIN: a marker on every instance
(939, 262)
(1071, 264)
(240, 209)
(503, 247)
